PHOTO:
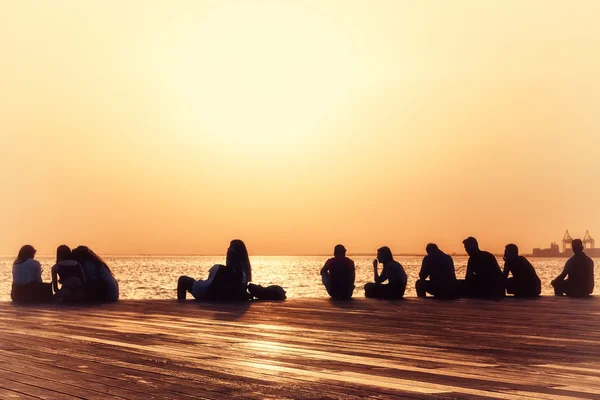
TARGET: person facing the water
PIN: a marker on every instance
(393, 272)
(338, 274)
(525, 281)
(69, 273)
(439, 268)
(27, 285)
(577, 278)
(484, 276)
(224, 282)
(101, 285)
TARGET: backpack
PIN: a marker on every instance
(273, 292)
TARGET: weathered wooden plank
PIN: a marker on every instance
(303, 349)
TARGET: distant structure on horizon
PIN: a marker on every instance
(567, 251)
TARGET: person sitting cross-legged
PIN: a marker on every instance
(392, 272)
(439, 268)
(338, 274)
(579, 271)
(484, 276)
(525, 281)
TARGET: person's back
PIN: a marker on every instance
(579, 270)
(483, 277)
(581, 273)
(525, 281)
(485, 268)
(28, 271)
(439, 268)
(392, 271)
(27, 285)
(396, 274)
(341, 272)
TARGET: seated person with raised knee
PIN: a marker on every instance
(439, 268)
(577, 278)
(525, 281)
(69, 274)
(338, 274)
(224, 282)
(393, 272)
(484, 276)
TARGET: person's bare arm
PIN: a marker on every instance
(506, 271)
(379, 278)
(325, 269)
(424, 272)
(54, 279)
(564, 273)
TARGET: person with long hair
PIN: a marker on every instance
(224, 282)
(101, 284)
(244, 261)
(69, 274)
(27, 285)
(392, 271)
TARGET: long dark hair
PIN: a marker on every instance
(63, 252)
(27, 252)
(84, 253)
(242, 257)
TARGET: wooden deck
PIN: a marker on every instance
(303, 349)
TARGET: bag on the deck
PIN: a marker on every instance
(273, 292)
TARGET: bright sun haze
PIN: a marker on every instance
(142, 127)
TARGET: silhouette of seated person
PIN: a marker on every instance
(577, 278)
(484, 276)
(439, 268)
(392, 271)
(225, 282)
(525, 281)
(69, 274)
(338, 274)
(27, 285)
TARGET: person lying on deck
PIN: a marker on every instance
(525, 281)
(579, 270)
(101, 285)
(439, 268)
(338, 274)
(484, 276)
(392, 272)
(27, 285)
(224, 282)
(69, 274)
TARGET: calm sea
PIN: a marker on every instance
(156, 277)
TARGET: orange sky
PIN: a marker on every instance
(162, 127)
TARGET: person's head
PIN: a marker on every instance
(84, 254)
(241, 257)
(384, 255)
(471, 245)
(339, 251)
(27, 252)
(577, 246)
(63, 253)
(511, 251)
(432, 249)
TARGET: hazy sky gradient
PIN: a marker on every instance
(172, 127)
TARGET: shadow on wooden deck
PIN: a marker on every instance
(299, 349)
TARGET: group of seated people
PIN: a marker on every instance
(78, 275)
(483, 279)
(81, 275)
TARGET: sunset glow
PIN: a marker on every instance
(173, 127)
